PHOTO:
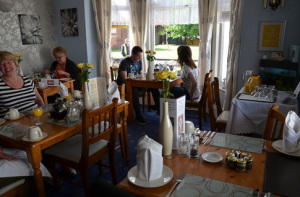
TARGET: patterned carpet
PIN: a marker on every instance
(135, 132)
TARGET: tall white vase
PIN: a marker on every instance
(87, 100)
(166, 132)
(150, 71)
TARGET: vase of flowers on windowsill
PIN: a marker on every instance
(19, 59)
(165, 127)
(150, 70)
(83, 76)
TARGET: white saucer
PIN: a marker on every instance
(25, 138)
(166, 177)
(65, 79)
(277, 145)
(212, 157)
(2, 120)
(7, 118)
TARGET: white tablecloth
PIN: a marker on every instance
(250, 116)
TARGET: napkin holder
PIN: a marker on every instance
(291, 132)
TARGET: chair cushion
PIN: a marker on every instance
(223, 117)
(70, 149)
(11, 186)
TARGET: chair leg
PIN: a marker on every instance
(200, 119)
(85, 181)
(100, 167)
(112, 167)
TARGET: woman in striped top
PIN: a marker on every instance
(15, 91)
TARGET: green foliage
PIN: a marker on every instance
(189, 31)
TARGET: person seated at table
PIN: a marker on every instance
(16, 91)
(190, 77)
(63, 67)
(133, 64)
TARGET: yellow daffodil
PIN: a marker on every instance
(84, 74)
(165, 77)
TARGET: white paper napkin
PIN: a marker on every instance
(291, 132)
(149, 159)
(112, 92)
(63, 90)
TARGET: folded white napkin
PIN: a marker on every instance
(291, 132)
(149, 159)
(112, 92)
(63, 90)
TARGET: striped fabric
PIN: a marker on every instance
(22, 98)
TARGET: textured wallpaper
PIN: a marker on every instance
(36, 57)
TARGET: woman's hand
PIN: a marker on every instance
(47, 72)
(7, 157)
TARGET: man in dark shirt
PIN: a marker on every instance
(133, 64)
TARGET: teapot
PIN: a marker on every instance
(59, 110)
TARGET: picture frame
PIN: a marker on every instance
(271, 35)
(69, 22)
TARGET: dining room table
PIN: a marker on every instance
(50, 90)
(248, 116)
(55, 132)
(142, 82)
(181, 166)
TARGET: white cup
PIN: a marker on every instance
(76, 94)
(13, 114)
(131, 75)
(34, 133)
(42, 85)
(179, 73)
(189, 127)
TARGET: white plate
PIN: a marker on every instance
(25, 138)
(166, 177)
(277, 145)
(65, 79)
(212, 157)
(7, 118)
(2, 120)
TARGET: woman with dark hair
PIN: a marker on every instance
(189, 75)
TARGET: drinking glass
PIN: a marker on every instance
(38, 112)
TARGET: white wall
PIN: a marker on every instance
(253, 14)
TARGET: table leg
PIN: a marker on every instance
(35, 157)
(129, 99)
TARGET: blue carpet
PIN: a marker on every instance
(135, 132)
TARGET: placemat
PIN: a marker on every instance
(282, 175)
(193, 185)
(238, 142)
(64, 123)
(14, 130)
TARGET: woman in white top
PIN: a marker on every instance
(189, 75)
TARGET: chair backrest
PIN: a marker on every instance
(207, 78)
(213, 98)
(114, 73)
(274, 124)
(98, 124)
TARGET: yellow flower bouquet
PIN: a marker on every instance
(84, 71)
(150, 55)
(19, 57)
(165, 77)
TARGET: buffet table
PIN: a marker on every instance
(250, 116)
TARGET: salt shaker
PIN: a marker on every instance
(183, 144)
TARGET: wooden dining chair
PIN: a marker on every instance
(274, 124)
(201, 105)
(218, 121)
(96, 141)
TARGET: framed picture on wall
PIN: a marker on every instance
(271, 35)
(31, 30)
(69, 22)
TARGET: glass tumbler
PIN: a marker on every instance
(183, 144)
